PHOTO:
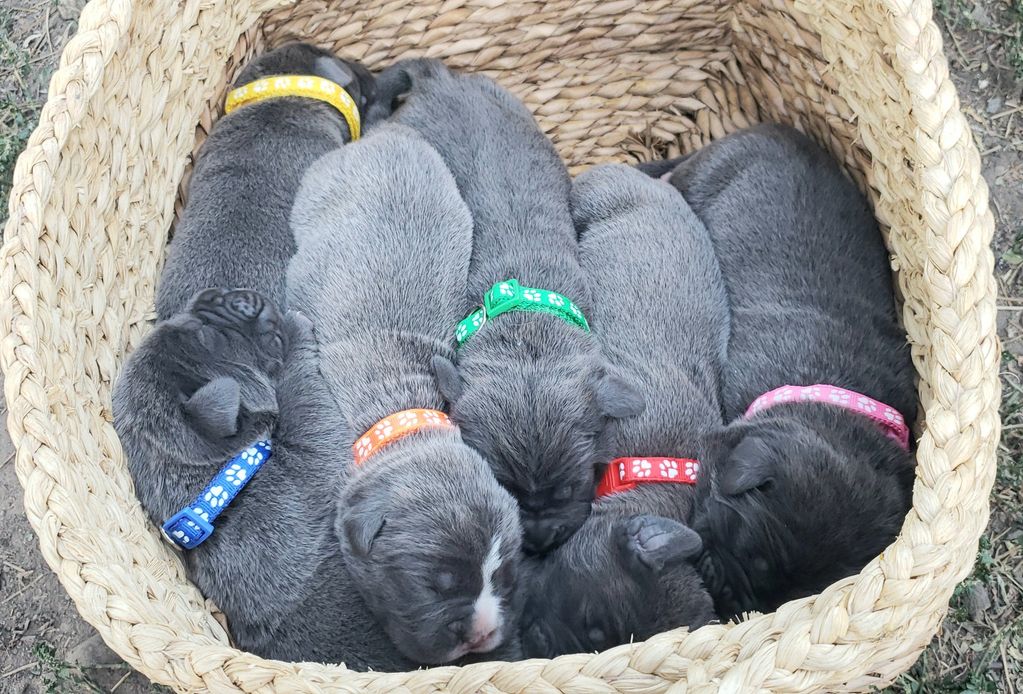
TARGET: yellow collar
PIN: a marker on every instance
(308, 86)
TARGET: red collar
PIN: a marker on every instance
(623, 474)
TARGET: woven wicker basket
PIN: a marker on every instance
(98, 188)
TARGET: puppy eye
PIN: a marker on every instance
(563, 493)
(444, 582)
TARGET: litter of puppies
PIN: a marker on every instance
(416, 397)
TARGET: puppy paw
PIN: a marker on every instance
(300, 329)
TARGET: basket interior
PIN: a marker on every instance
(661, 81)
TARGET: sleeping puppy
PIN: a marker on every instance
(224, 373)
(805, 492)
(429, 537)
(234, 230)
(531, 391)
(661, 314)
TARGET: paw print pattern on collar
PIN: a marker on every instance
(623, 474)
(192, 525)
(888, 418)
(396, 426)
(307, 86)
(508, 296)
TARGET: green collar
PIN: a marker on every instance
(508, 296)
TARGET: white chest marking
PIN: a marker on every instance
(487, 613)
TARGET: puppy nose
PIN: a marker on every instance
(539, 536)
(482, 639)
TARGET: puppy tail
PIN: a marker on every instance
(394, 83)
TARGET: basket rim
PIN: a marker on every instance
(916, 57)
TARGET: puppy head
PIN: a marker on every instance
(786, 506)
(203, 381)
(618, 578)
(432, 542)
(306, 59)
(537, 416)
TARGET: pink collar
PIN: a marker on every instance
(888, 418)
(623, 474)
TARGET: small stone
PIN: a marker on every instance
(976, 601)
(983, 84)
(68, 10)
(994, 104)
(1002, 322)
(93, 651)
(980, 16)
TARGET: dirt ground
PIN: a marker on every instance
(980, 648)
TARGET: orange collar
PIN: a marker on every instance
(396, 426)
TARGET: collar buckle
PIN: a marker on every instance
(186, 529)
(502, 297)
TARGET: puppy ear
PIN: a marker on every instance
(448, 380)
(214, 408)
(749, 465)
(335, 70)
(655, 543)
(618, 398)
(361, 528)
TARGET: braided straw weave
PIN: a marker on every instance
(97, 190)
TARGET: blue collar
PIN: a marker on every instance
(190, 526)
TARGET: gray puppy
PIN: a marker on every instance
(660, 312)
(530, 392)
(430, 538)
(234, 231)
(800, 494)
(204, 385)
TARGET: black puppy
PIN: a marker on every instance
(234, 231)
(531, 391)
(660, 313)
(799, 493)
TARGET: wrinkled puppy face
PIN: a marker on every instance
(609, 584)
(205, 376)
(782, 514)
(433, 542)
(306, 59)
(539, 422)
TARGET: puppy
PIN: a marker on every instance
(234, 231)
(204, 385)
(531, 392)
(430, 538)
(798, 494)
(661, 314)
